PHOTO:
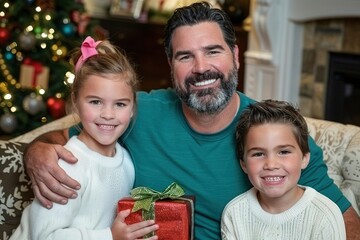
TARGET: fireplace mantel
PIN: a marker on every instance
(274, 55)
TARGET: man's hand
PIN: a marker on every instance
(50, 182)
(352, 224)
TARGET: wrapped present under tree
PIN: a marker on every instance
(34, 74)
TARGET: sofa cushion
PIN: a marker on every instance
(15, 187)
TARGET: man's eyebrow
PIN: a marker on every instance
(179, 53)
(214, 46)
(206, 48)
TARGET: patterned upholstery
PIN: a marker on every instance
(341, 145)
(15, 187)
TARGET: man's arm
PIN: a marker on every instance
(50, 183)
(352, 224)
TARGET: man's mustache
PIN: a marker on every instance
(202, 77)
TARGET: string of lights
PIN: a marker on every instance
(36, 38)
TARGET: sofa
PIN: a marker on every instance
(340, 143)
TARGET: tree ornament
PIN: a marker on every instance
(38, 30)
(8, 122)
(4, 35)
(9, 56)
(56, 107)
(27, 41)
(68, 29)
(33, 104)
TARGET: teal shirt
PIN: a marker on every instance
(166, 149)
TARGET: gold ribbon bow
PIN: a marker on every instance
(145, 197)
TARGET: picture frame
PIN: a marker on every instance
(126, 8)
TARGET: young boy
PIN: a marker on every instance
(272, 145)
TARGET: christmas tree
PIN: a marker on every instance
(36, 37)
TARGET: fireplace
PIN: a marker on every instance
(343, 88)
(329, 55)
(276, 52)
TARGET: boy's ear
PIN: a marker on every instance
(305, 160)
(243, 165)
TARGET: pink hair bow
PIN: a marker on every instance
(88, 49)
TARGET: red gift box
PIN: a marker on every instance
(175, 217)
(34, 74)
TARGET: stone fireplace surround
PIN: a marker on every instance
(273, 60)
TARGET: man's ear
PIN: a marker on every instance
(236, 57)
(305, 160)
(169, 61)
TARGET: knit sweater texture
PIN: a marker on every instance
(104, 180)
(313, 217)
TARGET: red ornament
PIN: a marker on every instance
(4, 35)
(56, 107)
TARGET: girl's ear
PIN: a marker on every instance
(305, 160)
(73, 104)
(243, 165)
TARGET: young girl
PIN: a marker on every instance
(272, 145)
(104, 97)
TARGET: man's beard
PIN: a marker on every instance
(211, 100)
